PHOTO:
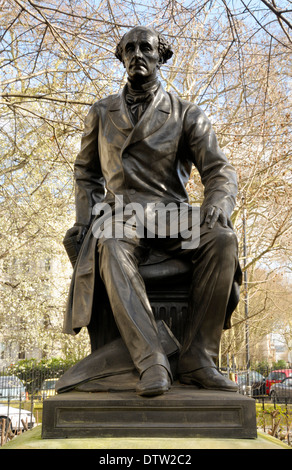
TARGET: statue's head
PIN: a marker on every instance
(142, 51)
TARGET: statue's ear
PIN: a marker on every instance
(160, 62)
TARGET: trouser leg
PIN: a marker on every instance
(119, 260)
(214, 263)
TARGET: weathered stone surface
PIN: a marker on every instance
(184, 411)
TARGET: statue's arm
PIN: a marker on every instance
(89, 181)
(217, 174)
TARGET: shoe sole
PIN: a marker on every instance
(188, 381)
(152, 393)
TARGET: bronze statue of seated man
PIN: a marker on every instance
(137, 150)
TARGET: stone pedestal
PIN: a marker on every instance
(184, 411)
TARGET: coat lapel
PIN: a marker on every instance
(154, 117)
(119, 114)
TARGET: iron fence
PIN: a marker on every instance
(22, 391)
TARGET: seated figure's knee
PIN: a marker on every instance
(225, 243)
(115, 248)
(220, 242)
(106, 245)
(226, 238)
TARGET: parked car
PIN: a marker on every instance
(15, 416)
(282, 390)
(256, 385)
(276, 376)
(47, 389)
(11, 388)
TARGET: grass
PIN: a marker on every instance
(32, 440)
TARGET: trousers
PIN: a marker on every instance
(214, 262)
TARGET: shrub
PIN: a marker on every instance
(33, 372)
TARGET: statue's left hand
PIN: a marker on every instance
(211, 214)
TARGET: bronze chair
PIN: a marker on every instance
(167, 284)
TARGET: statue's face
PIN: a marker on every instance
(140, 54)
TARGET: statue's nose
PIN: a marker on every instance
(138, 52)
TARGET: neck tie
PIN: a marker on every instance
(138, 100)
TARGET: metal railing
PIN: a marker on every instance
(22, 395)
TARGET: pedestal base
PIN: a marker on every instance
(184, 411)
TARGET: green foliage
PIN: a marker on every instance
(281, 364)
(262, 367)
(33, 372)
(276, 420)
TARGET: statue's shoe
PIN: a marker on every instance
(154, 381)
(209, 378)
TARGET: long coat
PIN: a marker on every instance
(145, 163)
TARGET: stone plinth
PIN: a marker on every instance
(184, 411)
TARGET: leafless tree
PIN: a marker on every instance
(57, 58)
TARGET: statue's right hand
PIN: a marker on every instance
(76, 230)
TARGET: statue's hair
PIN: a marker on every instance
(164, 47)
